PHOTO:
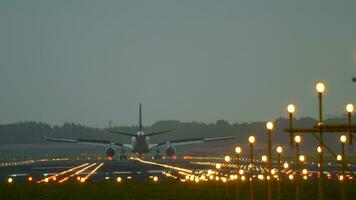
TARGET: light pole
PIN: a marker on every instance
(291, 110)
(297, 140)
(343, 140)
(269, 126)
(251, 140)
(227, 160)
(279, 152)
(320, 88)
(349, 109)
(238, 152)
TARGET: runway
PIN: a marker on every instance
(62, 170)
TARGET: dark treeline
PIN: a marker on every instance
(31, 132)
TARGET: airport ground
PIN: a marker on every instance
(162, 190)
(95, 178)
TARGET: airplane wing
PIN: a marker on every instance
(88, 142)
(187, 141)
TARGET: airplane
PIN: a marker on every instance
(140, 142)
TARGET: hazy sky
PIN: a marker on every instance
(92, 61)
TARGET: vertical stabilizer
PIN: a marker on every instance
(140, 122)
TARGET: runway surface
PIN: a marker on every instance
(61, 170)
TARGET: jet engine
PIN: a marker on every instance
(110, 152)
(170, 151)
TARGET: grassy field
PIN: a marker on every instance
(163, 190)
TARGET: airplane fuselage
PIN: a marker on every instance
(140, 144)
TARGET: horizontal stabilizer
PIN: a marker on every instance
(157, 133)
(122, 133)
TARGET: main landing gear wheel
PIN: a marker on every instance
(123, 156)
(157, 157)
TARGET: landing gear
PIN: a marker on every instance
(123, 156)
(157, 156)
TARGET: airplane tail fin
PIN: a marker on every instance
(140, 122)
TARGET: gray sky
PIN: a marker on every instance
(92, 61)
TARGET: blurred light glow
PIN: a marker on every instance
(238, 150)
(349, 108)
(251, 139)
(297, 139)
(279, 149)
(291, 108)
(343, 138)
(320, 87)
(269, 125)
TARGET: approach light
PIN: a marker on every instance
(286, 165)
(339, 157)
(297, 139)
(343, 139)
(269, 125)
(279, 149)
(10, 180)
(241, 171)
(227, 159)
(320, 87)
(318, 149)
(291, 177)
(251, 139)
(155, 179)
(304, 171)
(264, 158)
(291, 108)
(301, 158)
(238, 150)
(349, 108)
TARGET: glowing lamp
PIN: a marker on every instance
(279, 149)
(343, 139)
(269, 125)
(297, 139)
(291, 108)
(238, 150)
(320, 87)
(349, 108)
(252, 139)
